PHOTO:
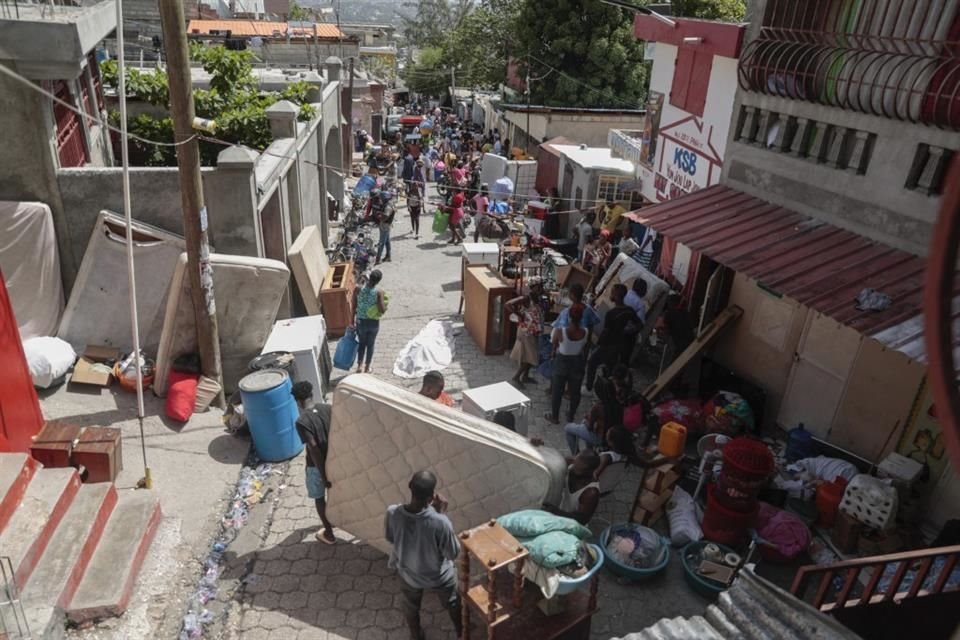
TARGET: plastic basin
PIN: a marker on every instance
(690, 557)
(569, 585)
(627, 571)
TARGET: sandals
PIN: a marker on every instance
(549, 418)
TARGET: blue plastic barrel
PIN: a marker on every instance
(799, 444)
(272, 414)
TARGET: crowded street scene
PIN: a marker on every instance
(589, 320)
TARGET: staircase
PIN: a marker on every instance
(75, 549)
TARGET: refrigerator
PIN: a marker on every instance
(306, 339)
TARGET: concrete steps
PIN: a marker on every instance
(47, 498)
(108, 581)
(74, 548)
(16, 471)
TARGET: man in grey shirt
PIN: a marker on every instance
(424, 548)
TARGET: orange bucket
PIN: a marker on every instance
(673, 439)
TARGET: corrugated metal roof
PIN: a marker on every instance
(752, 609)
(819, 265)
(262, 28)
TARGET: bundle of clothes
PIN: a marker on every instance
(636, 546)
(725, 412)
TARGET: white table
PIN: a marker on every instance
(485, 402)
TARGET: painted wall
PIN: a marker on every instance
(300, 54)
(689, 149)
(589, 129)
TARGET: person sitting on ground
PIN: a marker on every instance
(614, 392)
(425, 546)
(432, 387)
(313, 426)
(581, 492)
(592, 430)
(619, 448)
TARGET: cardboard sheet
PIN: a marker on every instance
(30, 262)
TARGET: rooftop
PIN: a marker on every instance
(594, 158)
(535, 108)
(262, 28)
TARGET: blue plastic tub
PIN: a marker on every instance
(272, 414)
(626, 571)
(690, 557)
(569, 585)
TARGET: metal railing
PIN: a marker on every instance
(888, 58)
(876, 579)
(13, 621)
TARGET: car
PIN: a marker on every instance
(392, 127)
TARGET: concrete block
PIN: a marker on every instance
(16, 471)
(47, 498)
(68, 553)
(107, 584)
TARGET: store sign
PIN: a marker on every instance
(686, 159)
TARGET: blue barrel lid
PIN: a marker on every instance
(263, 380)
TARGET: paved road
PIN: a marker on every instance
(303, 589)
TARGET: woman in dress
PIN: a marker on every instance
(525, 351)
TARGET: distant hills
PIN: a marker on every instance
(378, 11)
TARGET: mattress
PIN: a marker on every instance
(102, 285)
(308, 260)
(247, 292)
(380, 435)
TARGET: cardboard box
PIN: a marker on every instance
(877, 543)
(87, 371)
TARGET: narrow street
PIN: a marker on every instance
(301, 588)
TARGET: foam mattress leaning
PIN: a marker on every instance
(380, 435)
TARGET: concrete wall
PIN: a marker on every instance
(704, 136)
(300, 54)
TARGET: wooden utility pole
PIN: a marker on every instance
(195, 222)
(348, 116)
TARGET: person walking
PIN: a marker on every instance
(370, 304)
(425, 547)
(456, 219)
(414, 208)
(385, 224)
(569, 346)
(313, 427)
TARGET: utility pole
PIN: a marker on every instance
(348, 116)
(526, 148)
(453, 89)
(195, 221)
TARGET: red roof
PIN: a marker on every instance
(262, 28)
(819, 265)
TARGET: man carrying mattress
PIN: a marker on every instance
(424, 549)
(313, 425)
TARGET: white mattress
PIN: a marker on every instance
(381, 435)
(247, 292)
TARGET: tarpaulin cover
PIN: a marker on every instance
(31, 267)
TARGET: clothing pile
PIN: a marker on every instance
(636, 546)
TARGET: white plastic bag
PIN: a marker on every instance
(49, 360)
(682, 515)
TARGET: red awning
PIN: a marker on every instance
(817, 264)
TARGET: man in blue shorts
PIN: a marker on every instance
(313, 425)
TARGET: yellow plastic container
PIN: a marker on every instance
(673, 438)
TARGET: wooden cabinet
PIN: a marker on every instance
(336, 298)
(485, 294)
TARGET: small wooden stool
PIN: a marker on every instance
(100, 451)
(54, 444)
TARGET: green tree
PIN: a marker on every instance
(432, 21)
(430, 74)
(584, 51)
(298, 13)
(233, 101)
(726, 10)
(479, 43)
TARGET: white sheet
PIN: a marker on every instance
(30, 262)
(380, 435)
(431, 350)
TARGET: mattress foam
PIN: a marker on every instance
(381, 435)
